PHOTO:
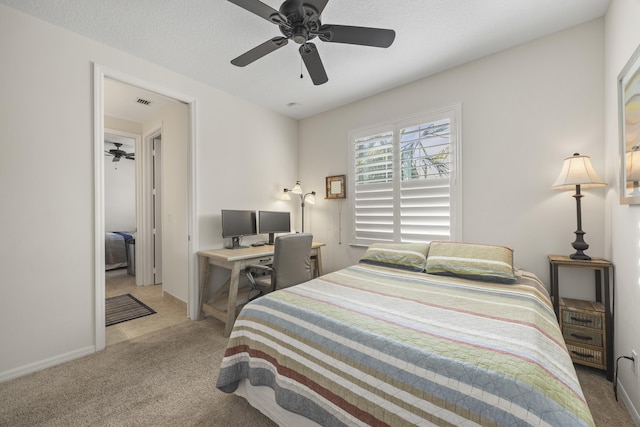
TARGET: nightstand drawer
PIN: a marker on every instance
(587, 355)
(582, 336)
(586, 314)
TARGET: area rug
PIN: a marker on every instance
(123, 308)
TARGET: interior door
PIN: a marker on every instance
(156, 204)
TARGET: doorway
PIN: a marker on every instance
(120, 199)
(177, 233)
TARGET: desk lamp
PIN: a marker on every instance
(308, 197)
(577, 171)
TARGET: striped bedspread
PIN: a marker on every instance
(370, 345)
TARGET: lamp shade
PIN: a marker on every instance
(296, 188)
(311, 198)
(632, 165)
(577, 170)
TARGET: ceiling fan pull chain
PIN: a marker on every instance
(301, 75)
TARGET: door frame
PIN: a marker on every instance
(101, 72)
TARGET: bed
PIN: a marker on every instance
(445, 334)
(115, 250)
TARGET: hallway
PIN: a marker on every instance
(169, 311)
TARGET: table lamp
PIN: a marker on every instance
(577, 172)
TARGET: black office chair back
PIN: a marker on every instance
(292, 259)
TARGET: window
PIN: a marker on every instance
(405, 179)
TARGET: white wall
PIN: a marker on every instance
(122, 125)
(46, 180)
(623, 231)
(523, 111)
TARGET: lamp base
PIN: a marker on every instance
(580, 245)
(580, 256)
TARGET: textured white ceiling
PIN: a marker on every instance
(198, 38)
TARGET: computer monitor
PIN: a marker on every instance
(238, 223)
(274, 222)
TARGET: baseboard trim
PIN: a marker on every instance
(44, 364)
(174, 299)
(629, 404)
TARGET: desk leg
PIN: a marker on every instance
(233, 298)
(204, 283)
(319, 262)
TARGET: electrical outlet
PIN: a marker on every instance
(635, 361)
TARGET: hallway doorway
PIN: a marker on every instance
(167, 180)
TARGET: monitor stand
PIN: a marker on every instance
(235, 244)
(272, 240)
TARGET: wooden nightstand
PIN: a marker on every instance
(583, 327)
(587, 326)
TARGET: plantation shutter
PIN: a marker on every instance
(374, 199)
(424, 211)
(424, 188)
(402, 181)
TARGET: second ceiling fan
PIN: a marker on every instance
(118, 153)
(299, 20)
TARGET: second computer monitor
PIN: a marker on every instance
(270, 222)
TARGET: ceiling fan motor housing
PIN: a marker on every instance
(302, 21)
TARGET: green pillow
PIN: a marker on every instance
(405, 256)
(471, 261)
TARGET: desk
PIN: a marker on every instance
(237, 260)
(603, 269)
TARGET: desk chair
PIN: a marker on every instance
(291, 264)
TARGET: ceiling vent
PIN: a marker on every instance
(143, 101)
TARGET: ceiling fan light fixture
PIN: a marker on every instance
(300, 34)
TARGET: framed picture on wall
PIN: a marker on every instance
(336, 187)
(629, 130)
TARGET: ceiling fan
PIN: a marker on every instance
(117, 153)
(299, 20)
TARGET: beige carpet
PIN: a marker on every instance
(606, 411)
(167, 378)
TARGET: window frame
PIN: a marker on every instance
(454, 114)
